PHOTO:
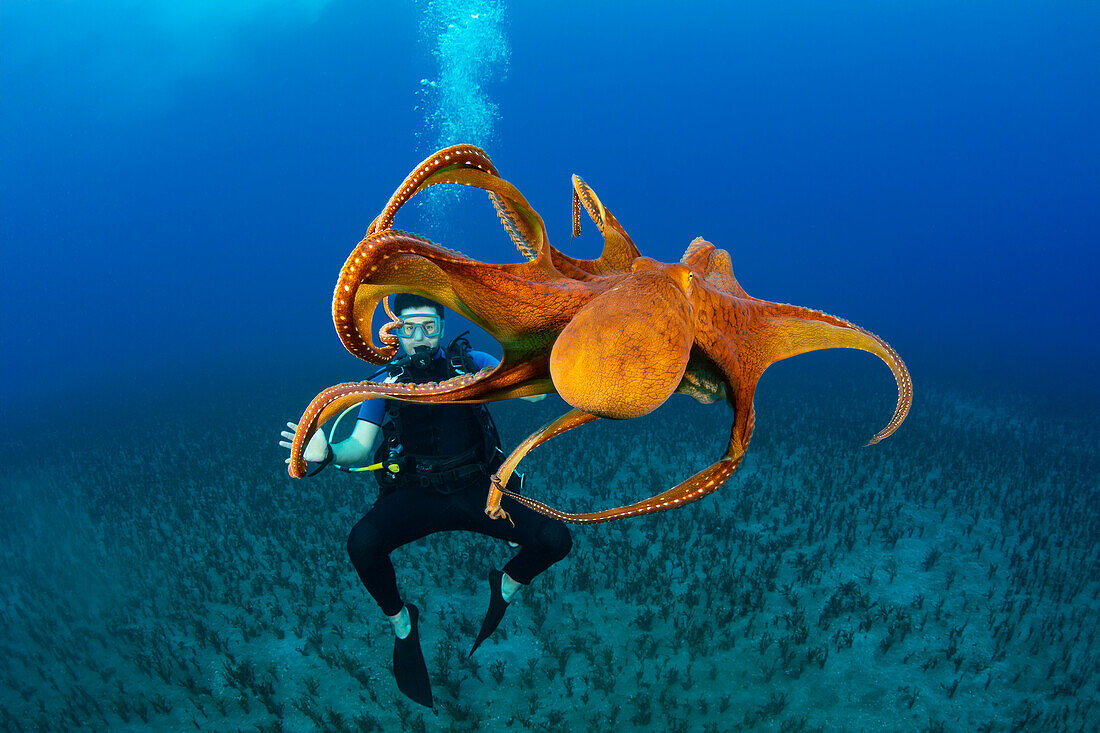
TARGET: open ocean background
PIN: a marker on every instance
(180, 183)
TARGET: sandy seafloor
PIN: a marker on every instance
(162, 573)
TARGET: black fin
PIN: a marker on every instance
(497, 607)
(408, 663)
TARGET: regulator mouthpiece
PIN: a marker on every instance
(421, 357)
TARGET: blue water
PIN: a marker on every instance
(180, 186)
(181, 182)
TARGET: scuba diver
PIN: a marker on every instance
(433, 466)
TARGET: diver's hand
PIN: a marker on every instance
(316, 449)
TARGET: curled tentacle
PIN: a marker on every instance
(456, 157)
(500, 382)
(391, 261)
(375, 260)
(568, 421)
(385, 332)
(618, 249)
(468, 165)
(702, 483)
(789, 330)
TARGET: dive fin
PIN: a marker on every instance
(497, 607)
(409, 668)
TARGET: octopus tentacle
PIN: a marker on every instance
(789, 330)
(392, 261)
(699, 485)
(576, 209)
(504, 381)
(353, 306)
(618, 249)
(470, 166)
(702, 483)
(320, 410)
(454, 157)
(568, 421)
(520, 234)
(520, 220)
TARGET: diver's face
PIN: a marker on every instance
(420, 327)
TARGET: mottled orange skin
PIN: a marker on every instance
(615, 337)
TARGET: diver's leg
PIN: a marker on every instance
(395, 520)
(402, 517)
(543, 541)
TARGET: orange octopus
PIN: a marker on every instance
(615, 336)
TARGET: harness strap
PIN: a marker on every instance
(436, 464)
(449, 482)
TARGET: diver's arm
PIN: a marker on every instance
(356, 449)
(359, 446)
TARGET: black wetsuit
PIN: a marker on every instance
(424, 500)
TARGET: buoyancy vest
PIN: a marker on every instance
(442, 446)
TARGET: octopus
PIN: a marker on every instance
(615, 337)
